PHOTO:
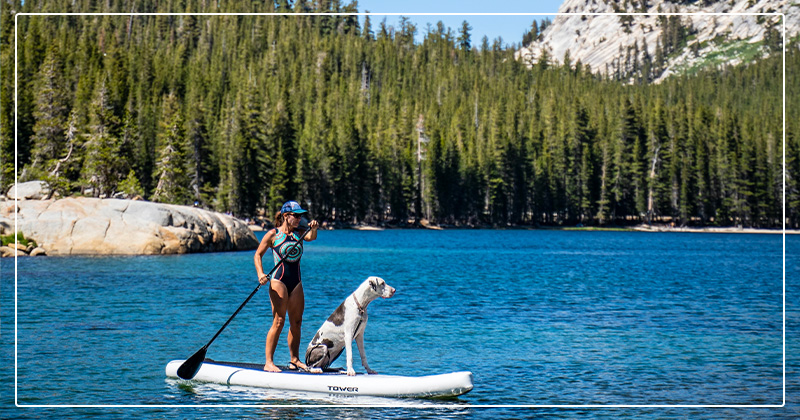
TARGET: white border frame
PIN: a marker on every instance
(442, 406)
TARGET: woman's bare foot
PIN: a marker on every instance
(270, 367)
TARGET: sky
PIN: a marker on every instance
(510, 28)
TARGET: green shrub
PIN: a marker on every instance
(8, 239)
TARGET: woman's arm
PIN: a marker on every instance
(313, 225)
(266, 243)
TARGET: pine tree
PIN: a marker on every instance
(50, 114)
(68, 167)
(656, 135)
(6, 98)
(200, 165)
(252, 165)
(367, 29)
(464, 37)
(531, 35)
(103, 167)
(173, 183)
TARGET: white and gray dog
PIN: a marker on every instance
(347, 323)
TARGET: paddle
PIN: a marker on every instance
(190, 367)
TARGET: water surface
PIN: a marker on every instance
(539, 317)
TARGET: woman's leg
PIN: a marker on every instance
(296, 306)
(279, 300)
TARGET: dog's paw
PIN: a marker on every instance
(371, 372)
(351, 372)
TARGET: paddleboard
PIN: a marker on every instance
(330, 381)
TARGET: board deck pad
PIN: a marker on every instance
(284, 369)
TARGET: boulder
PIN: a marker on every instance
(93, 226)
(7, 251)
(32, 190)
(37, 251)
(18, 246)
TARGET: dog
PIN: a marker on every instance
(347, 323)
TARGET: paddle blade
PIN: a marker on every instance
(190, 367)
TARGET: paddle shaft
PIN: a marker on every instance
(288, 251)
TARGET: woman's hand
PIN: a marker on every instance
(263, 279)
(312, 226)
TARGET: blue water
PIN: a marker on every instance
(540, 318)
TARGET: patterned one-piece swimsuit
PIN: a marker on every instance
(288, 271)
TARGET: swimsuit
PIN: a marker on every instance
(288, 271)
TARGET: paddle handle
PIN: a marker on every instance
(256, 289)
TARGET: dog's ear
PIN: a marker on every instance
(373, 284)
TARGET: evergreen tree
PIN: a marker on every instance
(367, 30)
(103, 167)
(531, 35)
(6, 98)
(173, 183)
(50, 114)
(251, 165)
(200, 164)
(464, 37)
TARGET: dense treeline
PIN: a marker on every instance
(240, 113)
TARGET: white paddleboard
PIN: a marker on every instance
(330, 382)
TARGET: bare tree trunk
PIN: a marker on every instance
(650, 197)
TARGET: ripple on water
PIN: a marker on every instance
(539, 317)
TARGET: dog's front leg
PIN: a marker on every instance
(348, 347)
(363, 353)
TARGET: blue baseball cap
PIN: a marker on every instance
(292, 207)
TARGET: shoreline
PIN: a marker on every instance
(637, 228)
(732, 229)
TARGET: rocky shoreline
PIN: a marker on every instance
(19, 250)
(94, 226)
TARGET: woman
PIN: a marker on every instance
(285, 287)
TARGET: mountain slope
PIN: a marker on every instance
(652, 47)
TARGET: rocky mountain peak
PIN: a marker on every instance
(650, 47)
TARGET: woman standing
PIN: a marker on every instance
(285, 287)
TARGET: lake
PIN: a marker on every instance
(541, 318)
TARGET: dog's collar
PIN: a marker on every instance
(361, 309)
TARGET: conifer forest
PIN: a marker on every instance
(362, 124)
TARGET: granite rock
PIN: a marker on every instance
(93, 226)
